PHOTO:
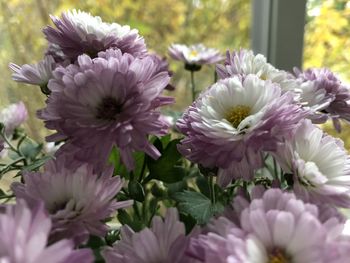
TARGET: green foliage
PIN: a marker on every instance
(197, 205)
(165, 168)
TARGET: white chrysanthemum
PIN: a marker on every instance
(244, 62)
(87, 24)
(34, 74)
(311, 96)
(320, 164)
(195, 54)
(235, 120)
(234, 108)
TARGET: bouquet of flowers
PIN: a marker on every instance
(244, 175)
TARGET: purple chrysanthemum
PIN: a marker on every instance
(325, 94)
(24, 238)
(165, 241)
(163, 65)
(195, 54)
(110, 100)
(234, 119)
(77, 200)
(244, 62)
(319, 163)
(274, 228)
(35, 74)
(13, 116)
(56, 53)
(79, 32)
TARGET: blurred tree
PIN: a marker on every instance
(217, 23)
(327, 44)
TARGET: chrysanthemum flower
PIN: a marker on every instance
(35, 74)
(78, 201)
(56, 52)
(195, 55)
(319, 163)
(79, 32)
(277, 228)
(110, 100)
(244, 62)
(163, 65)
(234, 119)
(13, 116)
(325, 94)
(165, 241)
(24, 238)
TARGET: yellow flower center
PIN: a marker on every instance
(263, 77)
(278, 256)
(193, 53)
(237, 114)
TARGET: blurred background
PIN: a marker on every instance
(223, 24)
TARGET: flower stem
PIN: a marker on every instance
(193, 86)
(212, 189)
(7, 141)
(275, 168)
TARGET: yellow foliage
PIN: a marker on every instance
(327, 42)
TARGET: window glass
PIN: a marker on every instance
(327, 44)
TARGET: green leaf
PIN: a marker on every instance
(176, 187)
(165, 140)
(96, 244)
(165, 168)
(119, 167)
(197, 205)
(203, 185)
(189, 222)
(30, 149)
(36, 164)
(125, 219)
(136, 191)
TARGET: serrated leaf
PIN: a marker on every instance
(203, 185)
(195, 204)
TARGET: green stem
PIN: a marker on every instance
(7, 141)
(275, 168)
(142, 169)
(212, 189)
(193, 86)
(7, 196)
(137, 211)
(7, 167)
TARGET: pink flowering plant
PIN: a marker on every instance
(243, 175)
